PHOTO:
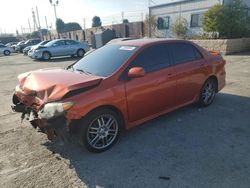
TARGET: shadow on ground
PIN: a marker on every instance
(191, 147)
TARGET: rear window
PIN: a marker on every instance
(183, 52)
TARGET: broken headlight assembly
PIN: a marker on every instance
(54, 109)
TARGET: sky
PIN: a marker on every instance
(14, 14)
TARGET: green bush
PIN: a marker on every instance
(230, 21)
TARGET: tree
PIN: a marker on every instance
(59, 25)
(35, 34)
(96, 21)
(230, 21)
(71, 26)
(125, 21)
(180, 27)
(150, 25)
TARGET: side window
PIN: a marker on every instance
(152, 58)
(197, 53)
(70, 42)
(59, 43)
(183, 52)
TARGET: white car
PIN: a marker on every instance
(5, 50)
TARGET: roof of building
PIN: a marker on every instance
(170, 3)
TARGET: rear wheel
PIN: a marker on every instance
(6, 52)
(100, 130)
(80, 53)
(208, 92)
(46, 56)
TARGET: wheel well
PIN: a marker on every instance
(213, 77)
(114, 109)
(47, 52)
(80, 49)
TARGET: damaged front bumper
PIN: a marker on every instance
(52, 123)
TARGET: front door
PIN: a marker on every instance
(155, 91)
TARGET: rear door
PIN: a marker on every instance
(190, 71)
(71, 47)
(155, 91)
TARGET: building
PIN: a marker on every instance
(191, 10)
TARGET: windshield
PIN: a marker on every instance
(50, 43)
(106, 60)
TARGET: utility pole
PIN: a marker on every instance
(29, 25)
(46, 23)
(34, 20)
(122, 16)
(84, 24)
(38, 19)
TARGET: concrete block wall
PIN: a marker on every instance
(225, 46)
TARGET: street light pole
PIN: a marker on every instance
(54, 4)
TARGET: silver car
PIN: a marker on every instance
(59, 47)
(5, 50)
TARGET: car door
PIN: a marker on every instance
(155, 91)
(59, 48)
(71, 47)
(189, 66)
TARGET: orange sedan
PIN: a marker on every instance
(118, 86)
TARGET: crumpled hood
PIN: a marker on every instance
(53, 84)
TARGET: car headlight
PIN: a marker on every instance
(54, 109)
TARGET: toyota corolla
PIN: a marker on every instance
(118, 86)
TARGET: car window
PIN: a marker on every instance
(183, 52)
(2, 46)
(70, 42)
(105, 60)
(152, 58)
(197, 53)
(59, 43)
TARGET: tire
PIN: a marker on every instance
(99, 130)
(46, 56)
(6, 52)
(80, 53)
(208, 92)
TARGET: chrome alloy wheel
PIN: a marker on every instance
(102, 131)
(208, 92)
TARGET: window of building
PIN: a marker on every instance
(196, 20)
(163, 22)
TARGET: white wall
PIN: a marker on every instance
(185, 9)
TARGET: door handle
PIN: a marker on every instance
(170, 75)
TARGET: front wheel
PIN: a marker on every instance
(46, 56)
(6, 52)
(208, 92)
(100, 130)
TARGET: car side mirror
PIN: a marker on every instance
(136, 72)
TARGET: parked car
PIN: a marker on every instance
(18, 44)
(119, 86)
(10, 44)
(60, 47)
(5, 50)
(30, 42)
(28, 48)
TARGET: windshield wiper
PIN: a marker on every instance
(83, 71)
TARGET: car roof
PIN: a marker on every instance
(144, 42)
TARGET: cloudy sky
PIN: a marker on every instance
(14, 14)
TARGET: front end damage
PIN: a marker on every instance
(48, 118)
